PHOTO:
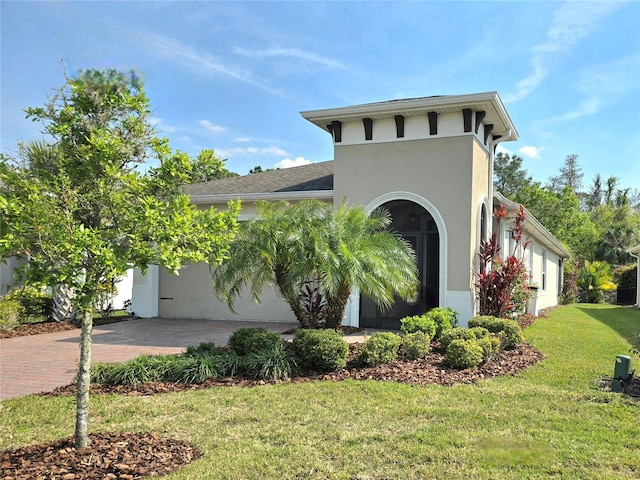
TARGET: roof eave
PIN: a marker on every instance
(266, 196)
(532, 223)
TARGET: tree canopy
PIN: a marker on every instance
(75, 206)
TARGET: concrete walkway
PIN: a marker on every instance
(40, 363)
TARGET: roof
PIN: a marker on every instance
(534, 226)
(489, 102)
(313, 180)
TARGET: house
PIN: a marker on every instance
(429, 161)
(635, 253)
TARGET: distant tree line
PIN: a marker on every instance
(596, 223)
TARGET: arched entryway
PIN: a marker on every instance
(418, 227)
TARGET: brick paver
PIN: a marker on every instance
(38, 363)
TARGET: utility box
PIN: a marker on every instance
(621, 373)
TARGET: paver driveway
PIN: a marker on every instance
(38, 363)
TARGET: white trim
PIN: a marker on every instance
(463, 302)
(269, 196)
(442, 231)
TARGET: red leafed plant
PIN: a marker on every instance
(498, 278)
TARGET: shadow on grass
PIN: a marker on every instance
(623, 320)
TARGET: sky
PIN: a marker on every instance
(234, 76)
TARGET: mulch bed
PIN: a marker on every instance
(50, 326)
(110, 456)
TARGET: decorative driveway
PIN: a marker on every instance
(40, 363)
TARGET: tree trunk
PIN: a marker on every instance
(62, 307)
(336, 306)
(84, 380)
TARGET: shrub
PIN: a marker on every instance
(457, 333)
(204, 348)
(323, 350)
(380, 348)
(34, 302)
(509, 328)
(143, 369)
(253, 339)
(270, 364)
(10, 313)
(490, 345)
(418, 323)
(416, 345)
(480, 332)
(444, 319)
(231, 364)
(463, 354)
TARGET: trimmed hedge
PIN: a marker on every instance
(322, 350)
(464, 354)
(380, 348)
(444, 318)
(418, 323)
(457, 333)
(508, 328)
(253, 339)
(416, 345)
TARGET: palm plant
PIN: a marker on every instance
(290, 246)
(595, 278)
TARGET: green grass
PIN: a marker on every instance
(550, 421)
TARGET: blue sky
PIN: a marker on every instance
(233, 76)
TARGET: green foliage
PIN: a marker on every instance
(508, 328)
(479, 332)
(380, 348)
(457, 333)
(624, 276)
(270, 363)
(418, 323)
(416, 345)
(444, 319)
(195, 369)
(508, 175)
(322, 350)
(204, 348)
(10, 313)
(253, 339)
(35, 302)
(288, 246)
(464, 354)
(490, 345)
(593, 280)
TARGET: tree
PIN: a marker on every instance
(292, 246)
(570, 175)
(83, 215)
(179, 169)
(594, 196)
(508, 174)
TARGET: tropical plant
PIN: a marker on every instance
(498, 278)
(288, 246)
(593, 280)
(84, 214)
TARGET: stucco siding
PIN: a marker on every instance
(437, 169)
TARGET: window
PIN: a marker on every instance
(543, 283)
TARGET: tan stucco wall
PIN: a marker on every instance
(438, 169)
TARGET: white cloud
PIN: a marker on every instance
(156, 122)
(291, 53)
(241, 139)
(502, 149)
(201, 62)
(288, 163)
(530, 151)
(572, 22)
(211, 127)
(251, 151)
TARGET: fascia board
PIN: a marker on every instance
(268, 196)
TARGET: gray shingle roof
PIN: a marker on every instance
(306, 178)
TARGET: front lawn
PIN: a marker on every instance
(551, 420)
